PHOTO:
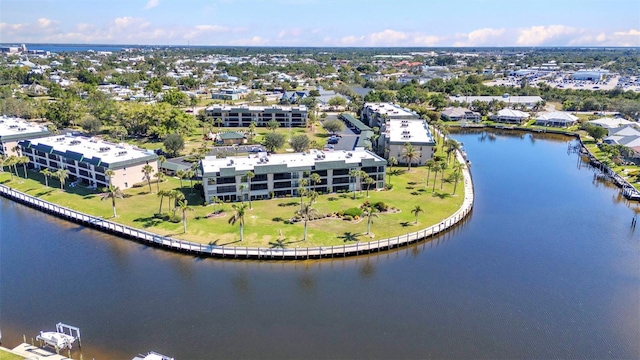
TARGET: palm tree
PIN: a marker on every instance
(443, 167)
(430, 164)
(369, 212)
(190, 174)
(147, 170)
(416, 211)
(306, 212)
(250, 175)
(183, 207)
(177, 197)
(112, 192)
(11, 162)
(452, 146)
(162, 194)
(391, 162)
(313, 195)
(409, 153)
(239, 217)
(159, 177)
(46, 173)
(3, 160)
(315, 179)
(62, 175)
(181, 174)
(302, 192)
(363, 176)
(242, 188)
(436, 168)
(369, 181)
(354, 173)
(24, 160)
(109, 173)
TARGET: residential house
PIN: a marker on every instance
(510, 116)
(556, 118)
(460, 114)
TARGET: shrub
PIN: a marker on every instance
(347, 218)
(381, 206)
(175, 219)
(389, 186)
(353, 212)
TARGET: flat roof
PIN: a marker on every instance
(256, 108)
(505, 98)
(391, 110)
(12, 128)
(262, 163)
(414, 131)
(92, 150)
(355, 122)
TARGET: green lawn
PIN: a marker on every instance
(265, 223)
(5, 355)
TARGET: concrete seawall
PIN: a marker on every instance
(192, 248)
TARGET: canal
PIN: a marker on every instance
(546, 266)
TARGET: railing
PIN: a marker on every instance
(251, 252)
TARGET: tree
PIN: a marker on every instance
(302, 191)
(174, 143)
(315, 179)
(238, 217)
(242, 188)
(175, 97)
(430, 164)
(596, 132)
(11, 162)
(333, 125)
(249, 175)
(24, 160)
(190, 174)
(147, 170)
(313, 195)
(307, 213)
(416, 211)
(354, 173)
(181, 174)
(113, 193)
(369, 181)
(370, 212)
(409, 153)
(109, 173)
(451, 147)
(300, 143)
(62, 175)
(161, 194)
(443, 167)
(337, 101)
(91, 124)
(392, 161)
(183, 207)
(46, 173)
(273, 141)
(273, 124)
(159, 175)
(177, 196)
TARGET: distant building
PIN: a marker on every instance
(12, 130)
(528, 101)
(612, 123)
(556, 118)
(87, 159)
(234, 116)
(590, 75)
(280, 174)
(231, 138)
(460, 114)
(229, 94)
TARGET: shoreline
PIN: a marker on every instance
(256, 253)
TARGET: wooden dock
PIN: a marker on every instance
(239, 252)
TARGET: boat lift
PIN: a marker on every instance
(63, 338)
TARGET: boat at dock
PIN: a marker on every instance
(153, 356)
(63, 338)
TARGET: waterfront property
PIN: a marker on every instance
(12, 130)
(556, 118)
(510, 116)
(281, 174)
(243, 116)
(460, 114)
(88, 159)
(397, 133)
(612, 123)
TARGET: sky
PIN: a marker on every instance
(325, 23)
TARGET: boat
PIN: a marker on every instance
(152, 355)
(63, 338)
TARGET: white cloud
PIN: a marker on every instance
(253, 41)
(151, 4)
(543, 35)
(481, 37)
(386, 37)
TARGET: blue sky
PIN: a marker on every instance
(323, 22)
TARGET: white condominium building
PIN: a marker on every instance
(234, 116)
(397, 133)
(14, 129)
(375, 114)
(87, 159)
(280, 174)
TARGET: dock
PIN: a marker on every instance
(33, 352)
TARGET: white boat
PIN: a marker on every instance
(56, 339)
(153, 356)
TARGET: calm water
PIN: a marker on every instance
(547, 266)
